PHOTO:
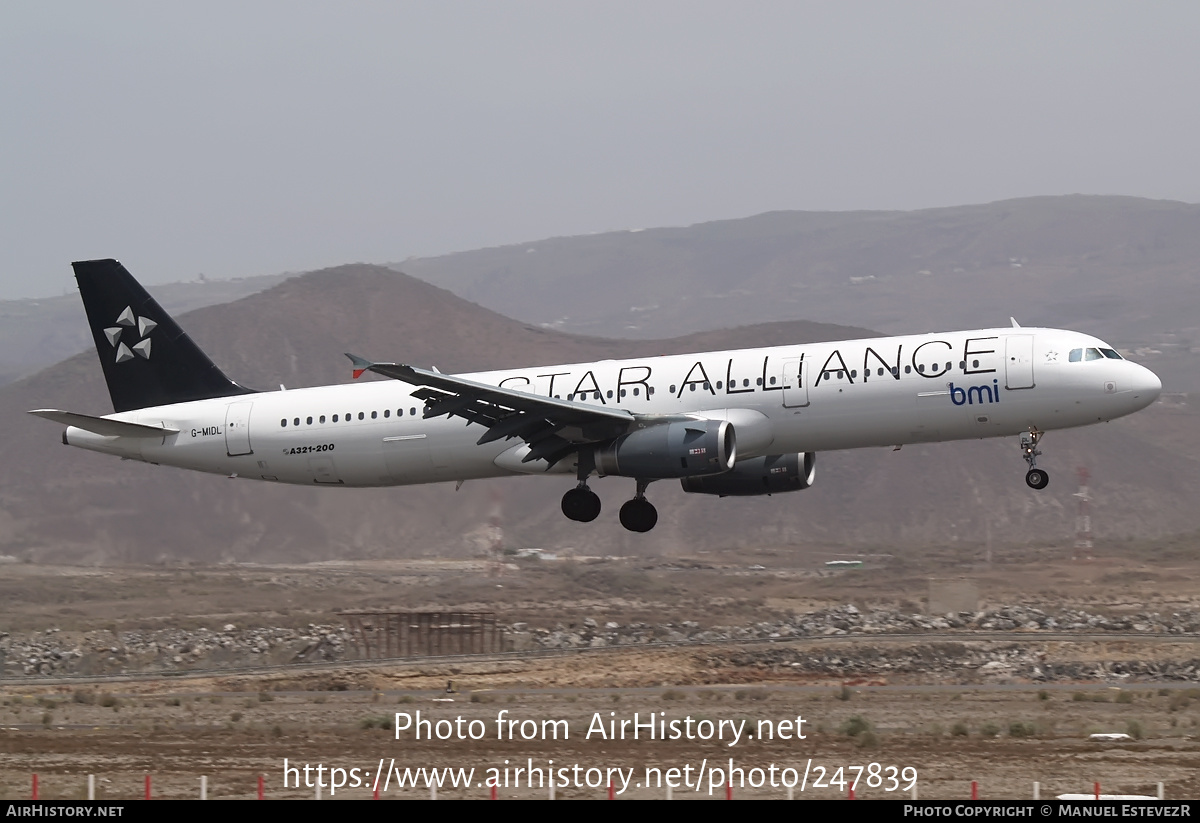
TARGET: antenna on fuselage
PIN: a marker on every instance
(1013, 320)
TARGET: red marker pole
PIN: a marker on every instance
(851, 797)
(375, 794)
(35, 792)
(493, 792)
(1097, 787)
(260, 787)
(974, 790)
(729, 790)
(147, 787)
(611, 796)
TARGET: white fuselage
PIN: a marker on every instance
(803, 398)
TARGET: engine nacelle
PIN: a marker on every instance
(761, 475)
(682, 448)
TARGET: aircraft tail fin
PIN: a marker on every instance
(147, 359)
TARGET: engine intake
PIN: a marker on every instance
(770, 474)
(683, 448)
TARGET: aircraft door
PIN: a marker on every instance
(237, 429)
(795, 383)
(324, 472)
(1018, 361)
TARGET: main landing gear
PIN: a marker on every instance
(583, 506)
(581, 503)
(1035, 477)
(639, 514)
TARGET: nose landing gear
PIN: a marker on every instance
(1036, 478)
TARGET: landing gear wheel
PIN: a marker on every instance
(638, 515)
(581, 504)
(1035, 477)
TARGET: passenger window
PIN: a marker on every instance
(335, 418)
(635, 392)
(672, 388)
(718, 384)
(691, 386)
(296, 422)
(839, 374)
(609, 393)
(374, 415)
(758, 381)
(908, 369)
(881, 371)
(921, 368)
(361, 416)
(745, 382)
(1075, 356)
(322, 418)
(622, 392)
(387, 412)
(974, 364)
(308, 421)
(283, 423)
(413, 410)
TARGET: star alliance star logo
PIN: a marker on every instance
(126, 320)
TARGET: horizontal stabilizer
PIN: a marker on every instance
(102, 425)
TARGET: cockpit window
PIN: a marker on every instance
(1092, 354)
(1111, 355)
(1076, 355)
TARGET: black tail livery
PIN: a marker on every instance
(147, 358)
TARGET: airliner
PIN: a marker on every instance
(726, 423)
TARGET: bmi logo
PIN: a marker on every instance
(975, 394)
(127, 320)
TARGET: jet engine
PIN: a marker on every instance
(761, 475)
(679, 448)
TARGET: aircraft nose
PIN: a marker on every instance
(1146, 385)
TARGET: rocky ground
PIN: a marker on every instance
(53, 652)
(1006, 694)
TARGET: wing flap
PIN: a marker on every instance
(505, 412)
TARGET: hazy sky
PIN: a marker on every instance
(256, 137)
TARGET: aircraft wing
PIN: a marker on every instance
(553, 428)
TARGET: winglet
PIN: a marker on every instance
(1015, 324)
(360, 365)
